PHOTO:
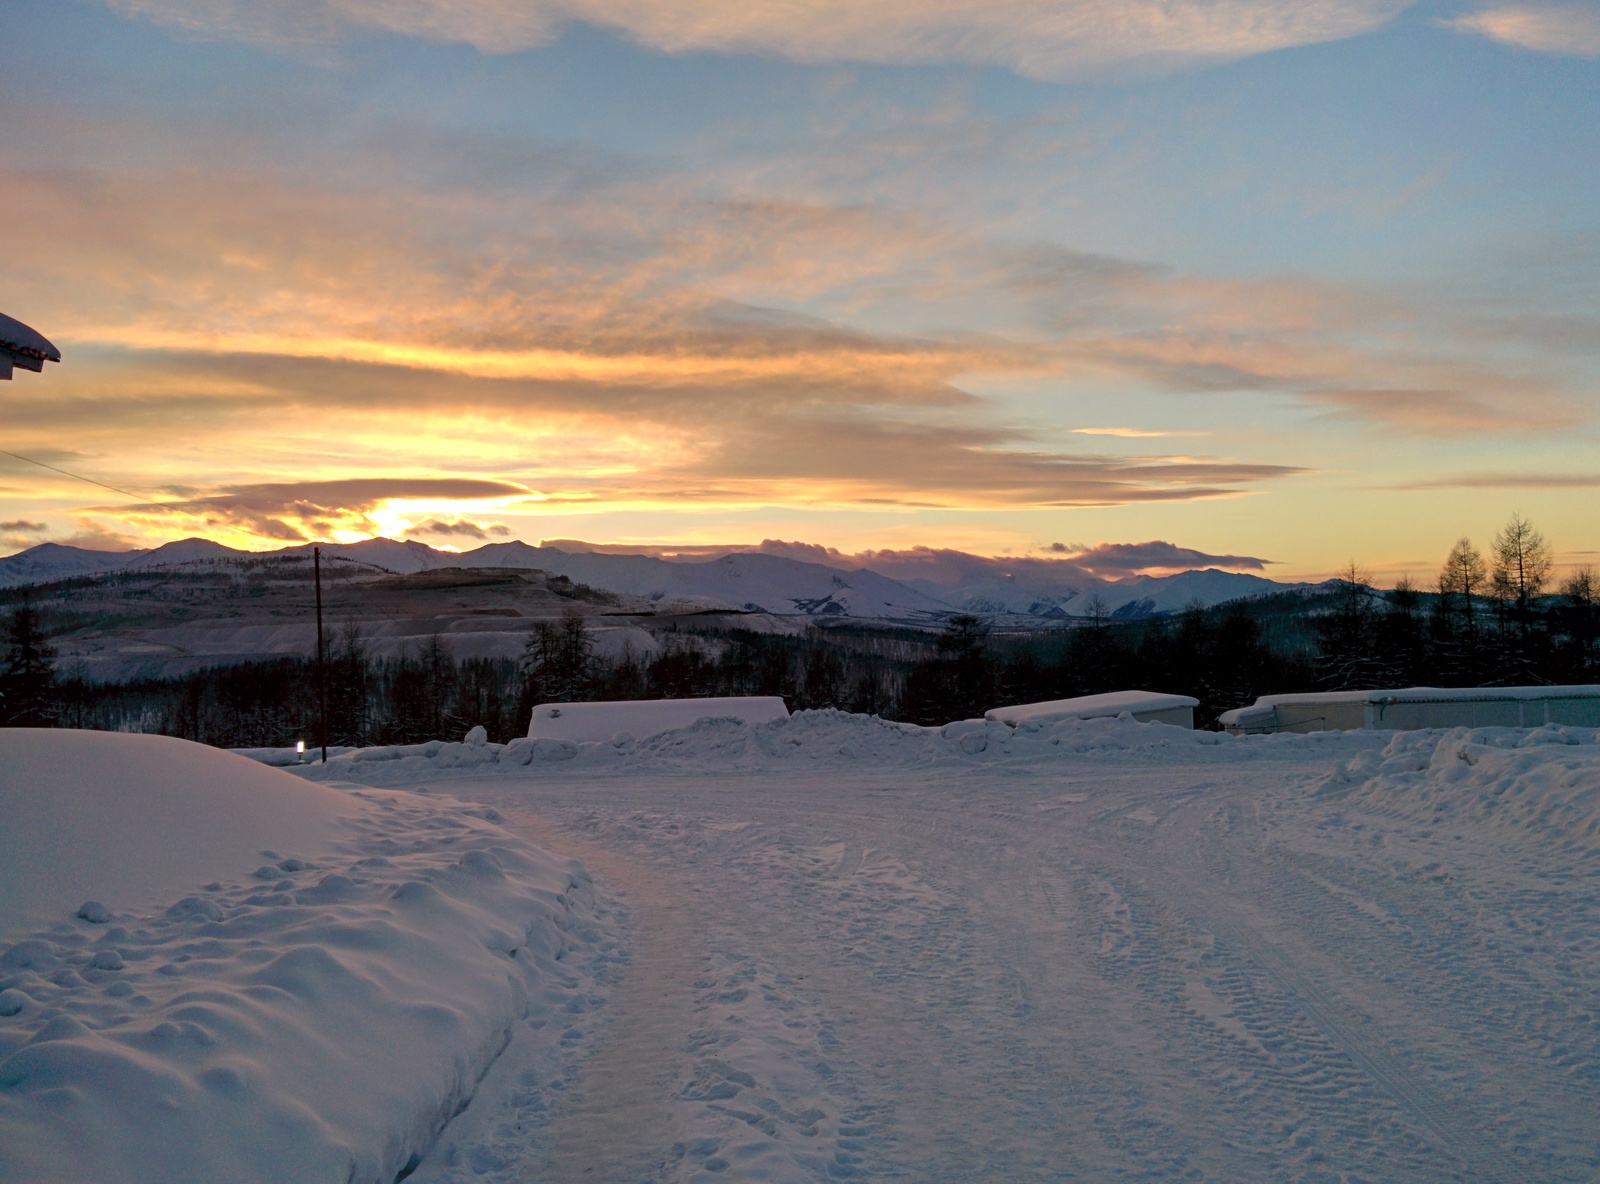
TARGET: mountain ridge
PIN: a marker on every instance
(743, 580)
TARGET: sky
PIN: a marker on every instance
(1293, 283)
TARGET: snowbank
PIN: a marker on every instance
(1144, 706)
(1540, 784)
(315, 1012)
(825, 739)
(138, 819)
(603, 721)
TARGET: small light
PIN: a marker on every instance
(300, 751)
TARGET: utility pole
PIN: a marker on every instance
(322, 667)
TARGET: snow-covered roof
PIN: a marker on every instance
(586, 722)
(18, 338)
(1089, 706)
(1263, 707)
(1482, 694)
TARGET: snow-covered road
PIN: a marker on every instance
(1153, 966)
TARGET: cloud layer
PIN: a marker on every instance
(1572, 29)
(1047, 39)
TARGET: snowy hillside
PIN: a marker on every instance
(267, 979)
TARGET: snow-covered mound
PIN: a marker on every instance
(646, 717)
(139, 819)
(825, 739)
(313, 1008)
(1540, 785)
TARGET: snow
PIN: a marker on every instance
(91, 815)
(833, 946)
(603, 721)
(225, 1009)
(1113, 703)
(1081, 949)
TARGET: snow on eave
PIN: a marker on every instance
(19, 338)
(1483, 694)
(1091, 706)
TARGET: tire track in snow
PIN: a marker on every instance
(1338, 1021)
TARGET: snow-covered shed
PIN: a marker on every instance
(583, 722)
(1419, 707)
(1144, 706)
(1485, 707)
(1312, 711)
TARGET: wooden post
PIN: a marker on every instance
(322, 668)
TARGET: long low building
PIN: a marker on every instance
(1144, 706)
(638, 718)
(1418, 707)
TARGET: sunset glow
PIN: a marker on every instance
(1312, 282)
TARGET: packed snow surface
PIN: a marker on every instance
(647, 717)
(830, 946)
(211, 1008)
(1077, 950)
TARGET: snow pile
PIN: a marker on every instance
(646, 717)
(139, 819)
(1540, 784)
(822, 739)
(316, 1011)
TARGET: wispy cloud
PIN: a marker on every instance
(1510, 481)
(1047, 39)
(1572, 29)
(1452, 412)
(1133, 433)
(297, 511)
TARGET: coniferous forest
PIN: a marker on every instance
(1486, 621)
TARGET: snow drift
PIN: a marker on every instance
(646, 717)
(315, 1011)
(1539, 785)
(824, 739)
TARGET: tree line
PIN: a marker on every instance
(1488, 619)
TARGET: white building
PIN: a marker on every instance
(1144, 706)
(1419, 707)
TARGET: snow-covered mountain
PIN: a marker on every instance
(753, 581)
(1144, 596)
(56, 561)
(749, 581)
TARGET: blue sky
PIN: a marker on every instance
(1312, 281)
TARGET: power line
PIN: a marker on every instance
(75, 476)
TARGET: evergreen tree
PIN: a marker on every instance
(27, 673)
(959, 682)
(1401, 641)
(1577, 618)
(1347, 635)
